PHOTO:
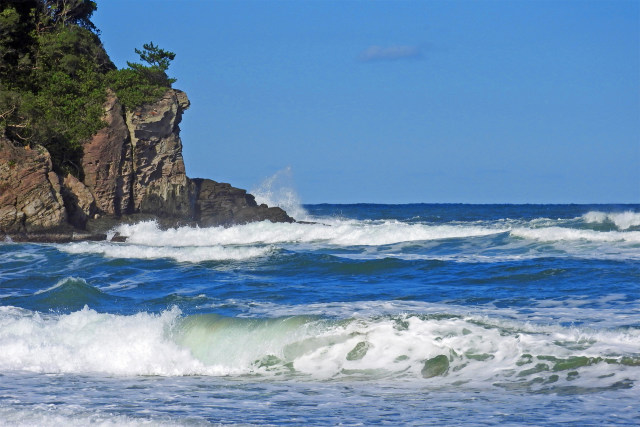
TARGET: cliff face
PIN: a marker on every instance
(160, 182)
(107, 165)
(30, 192)
(133, 165)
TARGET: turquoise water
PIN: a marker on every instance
(374, 314)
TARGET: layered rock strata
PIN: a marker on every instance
(132, 168)
(107, 164)
(30, 198)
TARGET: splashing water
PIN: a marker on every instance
(277, 190)
(622, 220)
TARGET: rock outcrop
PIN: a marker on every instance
(222, 204)
(160, 182)
(78, 200)
(133, 168)
(107, 162)
(30, 198)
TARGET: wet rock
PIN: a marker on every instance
(61, 235)
(132, 170)
(221, 204)
(118, 238)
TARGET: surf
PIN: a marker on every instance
(442, 348)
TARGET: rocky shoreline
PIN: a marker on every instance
(131, 170)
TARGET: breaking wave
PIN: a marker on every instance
(178, 253)
(622, 220)
(277, 190)
(335, 232)
(471, 241)
(442, 348)
(554, 234)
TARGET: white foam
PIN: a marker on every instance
(622, 220)
(91, 342)
(277, 190)
(481, 349)
(180, 254)
(58, 416)
(334, 232)
(377, 238)
(554, 234)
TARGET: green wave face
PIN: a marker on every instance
(440, 349)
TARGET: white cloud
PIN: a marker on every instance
(388, 53)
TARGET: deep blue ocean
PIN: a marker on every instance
(373, 314)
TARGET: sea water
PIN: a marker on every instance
(371, 314)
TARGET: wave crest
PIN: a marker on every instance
(440, 347)
(622, 220)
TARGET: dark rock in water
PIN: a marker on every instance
(60, 236)
(221, 204)
(118, 238)
(436, 366)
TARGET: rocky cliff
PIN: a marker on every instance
(131, 168)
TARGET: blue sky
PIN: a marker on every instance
(403, 101)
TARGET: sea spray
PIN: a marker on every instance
(622, 220)
(278, 190)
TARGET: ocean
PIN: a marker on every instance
(369, 314)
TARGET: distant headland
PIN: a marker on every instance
(85, 146)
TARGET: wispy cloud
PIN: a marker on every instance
(389, 53)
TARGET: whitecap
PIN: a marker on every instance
(622, 220)
(179, 253)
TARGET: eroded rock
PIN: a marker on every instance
(160, 182)
(108, 163)
(30, 198)
(78, 200)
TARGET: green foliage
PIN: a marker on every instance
(17, 30)
(141, 84)
(67, 12)
(54, 75)
(134, 88)
(154, 56)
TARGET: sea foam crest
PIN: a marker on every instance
(441, 348)
(178, 253)
(622, 220)
(333, 232)
(555, 234)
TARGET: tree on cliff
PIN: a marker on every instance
(54, 73)
(140, 84)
